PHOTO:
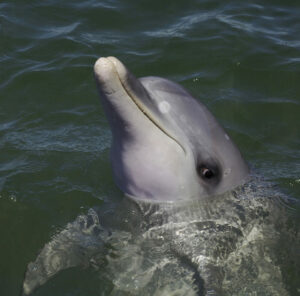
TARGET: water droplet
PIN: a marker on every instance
(164, 107)
(227, 172)
(13, 198)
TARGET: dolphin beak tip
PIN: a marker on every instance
(104, 70)
(101, 64)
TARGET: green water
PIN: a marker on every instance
(240, 58)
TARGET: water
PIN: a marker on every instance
(240, 59)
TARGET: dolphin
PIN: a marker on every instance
(186, 229)
(166, 145)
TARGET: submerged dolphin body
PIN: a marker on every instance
(166, 145)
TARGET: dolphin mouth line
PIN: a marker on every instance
(146, 112)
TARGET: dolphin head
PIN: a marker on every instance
(166, 145)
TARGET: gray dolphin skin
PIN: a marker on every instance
(166, 145)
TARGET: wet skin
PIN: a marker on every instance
(166, 146)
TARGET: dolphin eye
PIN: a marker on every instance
(206, 173)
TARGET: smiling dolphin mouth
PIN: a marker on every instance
(132, 87)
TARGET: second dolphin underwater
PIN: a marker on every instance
(196, 224)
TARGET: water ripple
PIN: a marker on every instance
(181, 25)
(57, 31)
(65, 138)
